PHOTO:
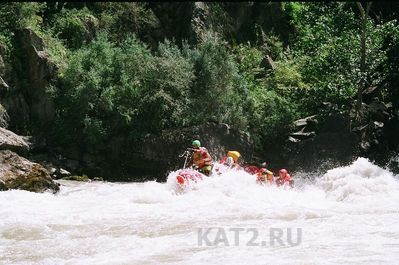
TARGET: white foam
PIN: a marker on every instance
(349, 215)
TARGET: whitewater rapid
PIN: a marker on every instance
(349, 215)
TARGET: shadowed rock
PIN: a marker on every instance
(12, 141)
(19, 173)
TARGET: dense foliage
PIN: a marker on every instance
(113, 81)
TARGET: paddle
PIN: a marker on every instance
(186, 154)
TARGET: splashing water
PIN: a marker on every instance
(349, 215)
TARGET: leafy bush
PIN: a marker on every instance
(109, 90)
(215, 91)
(272, 106)
(165, 102)
(328, 48)
(17, 15)
(75, 27)
(123, 18)
(327, 51)
(271, 117)
(249, 61)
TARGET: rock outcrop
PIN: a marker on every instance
(4, 118)
(189, 20)
(336, 137)
(174, 20)
(38, 71)
(199, 21)
(328, 143)
(13, 142)
(24, 82)
(3, 85)
(19, 173)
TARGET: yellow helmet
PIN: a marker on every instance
(234, 154)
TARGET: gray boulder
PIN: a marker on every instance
(19, 173)
(13, 142)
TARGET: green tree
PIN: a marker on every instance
(123, 18)
(74, 27)
(216, 86)
(110, 90)
(363, 35)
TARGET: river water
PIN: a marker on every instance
(349, 215)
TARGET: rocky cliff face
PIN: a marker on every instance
(3, 84)
(174, 19)
(189, 20)
(24, 83)
(323, 142)
(337, 137)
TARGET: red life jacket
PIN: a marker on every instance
(264, 174)
(223, 160)
(284, 180)
(251, 169)
(201, 157)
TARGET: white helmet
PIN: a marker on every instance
(229, 161)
